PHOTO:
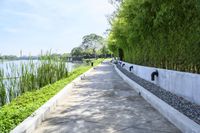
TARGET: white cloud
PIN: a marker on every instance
(11, 30)
(31, 3)
(27, 19)
(26, 15)
(58, 24)
(100, 6)
(47, 14)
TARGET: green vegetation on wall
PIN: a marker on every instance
(158, 33)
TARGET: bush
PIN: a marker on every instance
(158, 33)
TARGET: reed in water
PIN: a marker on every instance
(30, 76)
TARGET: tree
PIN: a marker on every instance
(8, 57)
(104, 51)
(77, 52)
(92, 46)
(91, 43)
(158, 33)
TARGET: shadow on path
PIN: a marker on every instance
(103, 103)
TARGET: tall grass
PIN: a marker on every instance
(2, 89)
(22, 107)
(30, 76)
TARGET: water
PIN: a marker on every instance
(17, 63)
(11, 70)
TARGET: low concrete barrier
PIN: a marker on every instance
(181, 121)
(33, 121)
(186, 85)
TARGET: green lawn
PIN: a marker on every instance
(23, 106)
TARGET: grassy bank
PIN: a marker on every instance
(16, 79)
(23, 106)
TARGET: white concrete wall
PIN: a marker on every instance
(185, 124)
(183, 84)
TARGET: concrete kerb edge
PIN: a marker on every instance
(181, 121)
(33, 121)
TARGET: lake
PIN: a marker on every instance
(5, 65)
(11, 75)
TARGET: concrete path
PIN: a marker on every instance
(104, 103)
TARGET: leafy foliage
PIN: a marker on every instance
(77, 51)
(158, 33)
(92, 45)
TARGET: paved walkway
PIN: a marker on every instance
(104, 103)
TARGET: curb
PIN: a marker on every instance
(33, 121)
(181, 121)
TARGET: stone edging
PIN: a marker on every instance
(33, 121)
(181, 121)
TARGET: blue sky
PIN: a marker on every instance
(35, 25)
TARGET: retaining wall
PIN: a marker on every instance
(185, 124)
(186, 85)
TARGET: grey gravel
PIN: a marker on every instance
(184, 106)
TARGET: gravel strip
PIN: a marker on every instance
(189, 109)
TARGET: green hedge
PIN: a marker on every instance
(23, 106)
(158, 33)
